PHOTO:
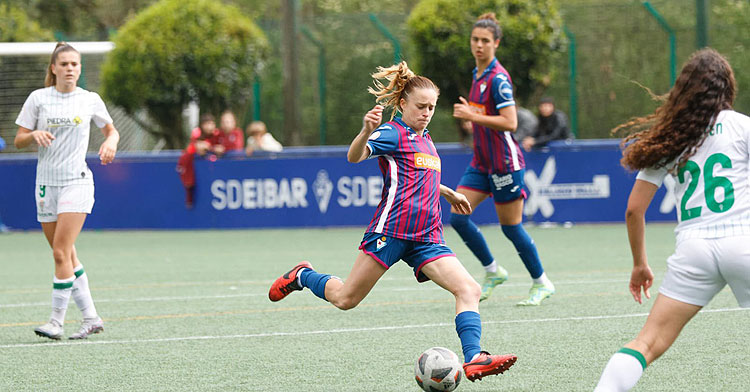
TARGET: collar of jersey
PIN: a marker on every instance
(486, 70)
(408, 128)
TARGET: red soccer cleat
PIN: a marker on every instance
(487, 364)
(287, 283)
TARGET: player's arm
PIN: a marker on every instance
(25, 136)
(358, 148)
(457, 200)
(505, 120)
(641, 277)
(108, 148)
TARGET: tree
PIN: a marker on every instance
(16, 26)
(178, 51)
(532, 37)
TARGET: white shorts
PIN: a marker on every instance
(54, 200)
(700, 268)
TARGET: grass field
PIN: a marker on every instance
(188, 311)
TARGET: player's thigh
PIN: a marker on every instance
(69, 225)
(48, 228)
(365, 272)
(665, 321)
(448, 273)
(510, 213)
(473, 196)
(734, 265)
(474, 185)
(693, 274)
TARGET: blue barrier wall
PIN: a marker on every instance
(577, 182)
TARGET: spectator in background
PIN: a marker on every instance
(259, 139)
(466, 132)
(553, 125)
(234, 139)
(206, 139)
(526, 123)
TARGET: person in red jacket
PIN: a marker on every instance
(205, 139)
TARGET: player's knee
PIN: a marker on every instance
(469, 291)
(346, 303)
(60, 255)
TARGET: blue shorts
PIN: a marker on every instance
(505, 188)
(389, 250)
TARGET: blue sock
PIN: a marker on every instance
(525, 247)
(472, 237)
(314, 281)
(469, 329)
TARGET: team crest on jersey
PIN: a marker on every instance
(77, 120)
(380, 243)
(426, 161)
(482, 87)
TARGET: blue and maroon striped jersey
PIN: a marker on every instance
(410, 204)
(494, 151)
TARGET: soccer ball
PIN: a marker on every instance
(438, 369)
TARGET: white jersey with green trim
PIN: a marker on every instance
(68, 117)
(712, 190)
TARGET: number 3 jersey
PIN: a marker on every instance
(712, 191)
(68, 117)
(410, 204)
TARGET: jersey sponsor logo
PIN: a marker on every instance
(59, 122)
(427, 161)
(505, 90)
(477, 107)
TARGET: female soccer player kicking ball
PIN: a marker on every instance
(58, 118)
(696, 138)
(406, 225)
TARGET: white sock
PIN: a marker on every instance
(492, 268)
(622, 372)
(61, 289)
(543, 279)
(82, 294)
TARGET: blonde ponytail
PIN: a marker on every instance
(401, 82)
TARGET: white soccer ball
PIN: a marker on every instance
(438, 369)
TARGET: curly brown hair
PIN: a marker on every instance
(679, 126)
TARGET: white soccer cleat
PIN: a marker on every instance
(88, 327)
(52, 330)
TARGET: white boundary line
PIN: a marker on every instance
(342, 330)
(222, 296)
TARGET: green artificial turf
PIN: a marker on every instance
(188, 311)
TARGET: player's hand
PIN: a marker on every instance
(107, 151)
(372, 118)
(462, 110)
(641, 279)
(527, 143)
(459, 202)
(42, 138)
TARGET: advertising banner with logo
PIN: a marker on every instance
(311, 187)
